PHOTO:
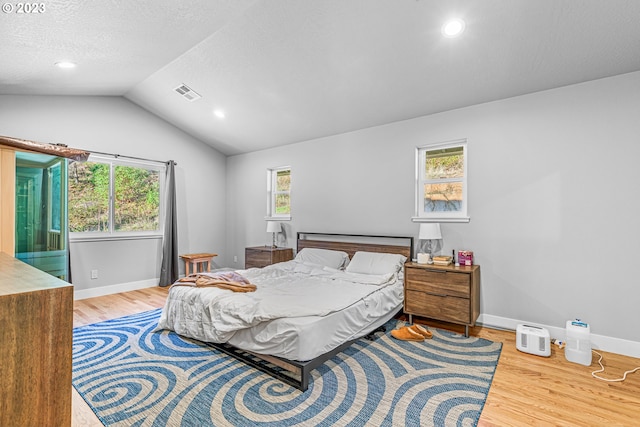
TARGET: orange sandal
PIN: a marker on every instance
(427, 334)
(406, 334)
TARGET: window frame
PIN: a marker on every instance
(272, 176)
(50, 197)
(112, 234)
(420, 180)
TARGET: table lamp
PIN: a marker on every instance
(430, 237)
(273, 227)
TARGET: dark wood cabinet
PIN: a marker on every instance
(261, 256)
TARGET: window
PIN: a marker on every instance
(441, 182)
(279, 192)
(114, 198)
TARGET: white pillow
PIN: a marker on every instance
(323, 257)
(375, 263)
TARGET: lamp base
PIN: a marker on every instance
(424, 258)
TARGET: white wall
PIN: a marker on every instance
(553, 200)
(548, 171)
(115, 125)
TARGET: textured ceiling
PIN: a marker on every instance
(291, 70)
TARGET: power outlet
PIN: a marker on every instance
(235, 258)
(94, 274)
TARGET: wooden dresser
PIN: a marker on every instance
(261, 256)
(450, 294)
(36, 334)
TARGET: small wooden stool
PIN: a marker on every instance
(196, 261)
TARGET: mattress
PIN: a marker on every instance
(299, 311)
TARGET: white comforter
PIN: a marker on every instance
(289, 289)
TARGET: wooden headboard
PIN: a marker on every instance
(352, 243)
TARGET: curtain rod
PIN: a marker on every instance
(130, 157)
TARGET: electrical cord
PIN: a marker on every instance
(594, 374)
(624, 377)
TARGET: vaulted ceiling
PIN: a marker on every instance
(292, 70)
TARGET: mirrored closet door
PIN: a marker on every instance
(41, 212)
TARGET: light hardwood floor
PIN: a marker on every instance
(527, 390)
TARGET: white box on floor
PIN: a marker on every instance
(533, 339)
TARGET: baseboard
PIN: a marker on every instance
(598, 342)
(114, 289)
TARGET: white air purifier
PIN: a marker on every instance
(533, 340)
(578, 349)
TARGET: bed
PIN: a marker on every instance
(289, 325)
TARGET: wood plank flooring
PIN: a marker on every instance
(527, 390)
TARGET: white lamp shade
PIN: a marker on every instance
(274, 227)
(430, 231)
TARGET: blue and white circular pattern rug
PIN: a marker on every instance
(132, 376)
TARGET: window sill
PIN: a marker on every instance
(436, 219)
(278, 218)
(109, 237)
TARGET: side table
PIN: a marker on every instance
(446, 293)
(262, 256)
(197, 262)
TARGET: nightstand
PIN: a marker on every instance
(450, 294)
(261, 256)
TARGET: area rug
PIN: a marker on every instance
(131, 375)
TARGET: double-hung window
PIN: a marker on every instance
(441, 182)
(113, 198)
(279, 193)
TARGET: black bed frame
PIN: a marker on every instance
(292, 372)
(297, 373)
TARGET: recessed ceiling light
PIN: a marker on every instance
(219, 114)
(65, 64)
(453, 28)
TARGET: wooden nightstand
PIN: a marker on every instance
(261, 256)
(450, 294)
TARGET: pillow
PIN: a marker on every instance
(324, 257)
(375, 263)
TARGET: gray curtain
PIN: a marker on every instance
(170, 269)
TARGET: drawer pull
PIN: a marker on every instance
(437, 295)
(435, 271)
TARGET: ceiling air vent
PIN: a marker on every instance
(188, 93)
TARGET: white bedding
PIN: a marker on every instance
(290, 298)
(304, 338)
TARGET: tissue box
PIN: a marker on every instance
(465, 257)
